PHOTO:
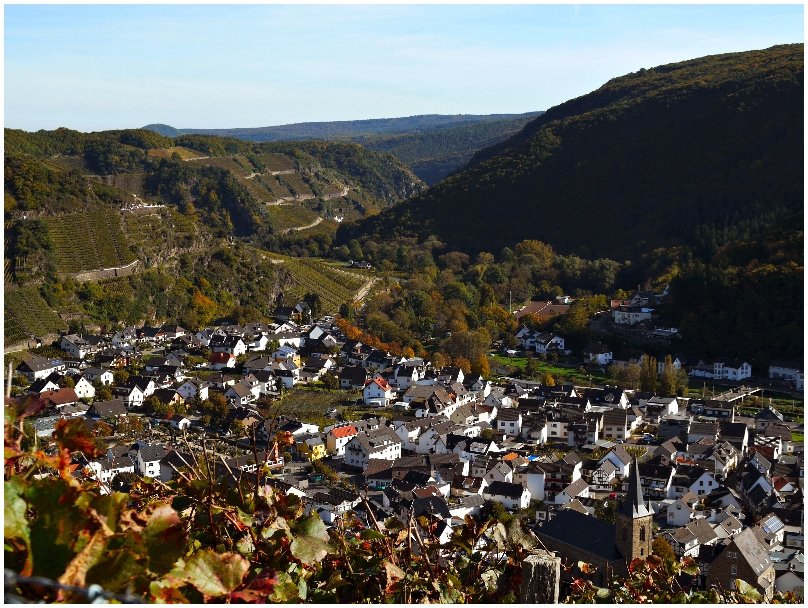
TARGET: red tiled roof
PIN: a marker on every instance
(220, 357)
(61, 396)
(344, 431)
(383, 384)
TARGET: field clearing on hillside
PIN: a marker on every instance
(311, 405)
(277, 162)
(30, 313)
(565, 374)
(183, 152)
(69, 163)
(131, 182)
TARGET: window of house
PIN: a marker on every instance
(642, 533)
(734, 570)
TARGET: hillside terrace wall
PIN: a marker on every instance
(108, 273)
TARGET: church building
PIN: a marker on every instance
(610, 547)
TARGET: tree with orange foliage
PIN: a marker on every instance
(463, 364)
(480, 365)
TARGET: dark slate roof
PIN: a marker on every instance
(418, 478)
(503, 488)
(584, 532)
(431, 505)
(115, 407)
(150, 453)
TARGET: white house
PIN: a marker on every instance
(148, 459)
(787, 370)
(104, 376)
(597, 354)
(631, 315)
(84, 389)
(191, 388)
(510, 495)
(76, 346)
(577, 489)
(379, 391)
(731, 369)
(381, 443)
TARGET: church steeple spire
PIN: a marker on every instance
(634, 520)
(634, 506)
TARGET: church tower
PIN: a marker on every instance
(634, 521)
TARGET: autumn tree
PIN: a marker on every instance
(661, 548)
(480, 365)
(101, 429)
(648, 376)
(463, 363)
(67, 382)
(668, 379)
(237, 428)
(438, 360)
(543, 252)
(120, 376)
(628, 377)
(330, 382)
(547, 379)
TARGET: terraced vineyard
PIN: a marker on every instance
(153, 232)
(168, 152)
(300, 187)
(71, 163)
(272, 184)
(89, 240)
(313, 276)
(119, 286)
(13, 332)
(277, 162)
(284, 217)
(27, 314)
(225, 162)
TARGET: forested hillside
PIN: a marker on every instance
(698, 153)
(431, 146)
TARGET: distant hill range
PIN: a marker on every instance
(432, 146)
(698, 153)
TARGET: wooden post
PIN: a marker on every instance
(541, 575)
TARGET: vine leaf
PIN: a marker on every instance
(165, 538)
(215, 574)
(311, 539)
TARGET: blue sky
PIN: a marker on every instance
(95, 67)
